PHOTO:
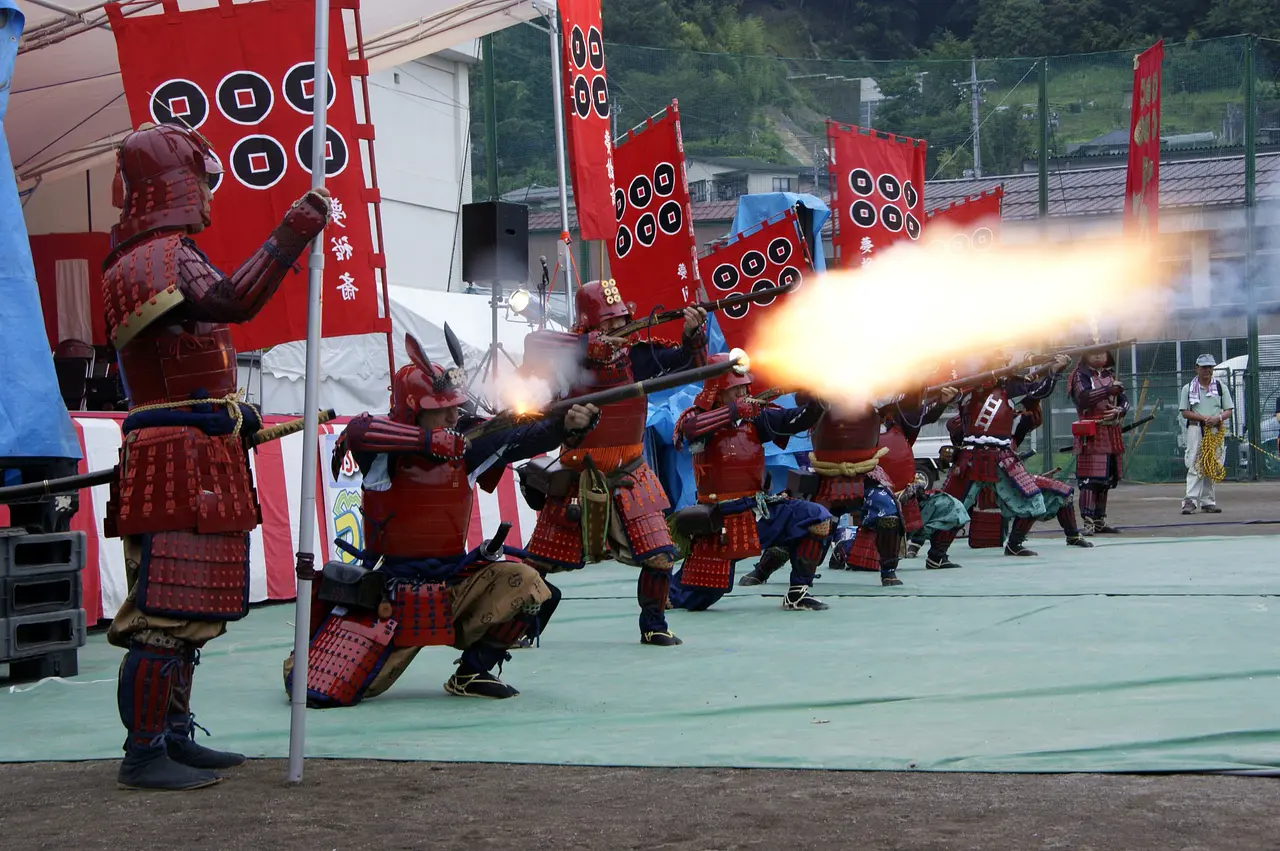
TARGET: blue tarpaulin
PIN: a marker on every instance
(33, 419)
(675, 468)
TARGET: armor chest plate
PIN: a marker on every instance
(900, 462)
(622, 423)
(171, 363)
(989, 415)
(846, 438)
(730, 465)
(425, 514)
(1105, 406)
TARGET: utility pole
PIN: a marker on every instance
(975, 102)
(613, 114)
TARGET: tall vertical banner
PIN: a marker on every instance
(877, 190)
(770, 255)
(587, 113)
(243, 76)
(969, 223)
(1142, 181)
(655, 254)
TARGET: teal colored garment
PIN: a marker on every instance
(941, 512)
(1012, 502)
(34, 422)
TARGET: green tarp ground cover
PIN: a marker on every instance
(1144, 655)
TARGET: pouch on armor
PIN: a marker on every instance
(424, 614)
(803, 484)
(353, 585)
(699, 520)
(541, 478)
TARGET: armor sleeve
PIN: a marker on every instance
(598, 351)
(1042, 389)
(779, 424)
(955, 429)
(695, 423)
(376, 435)
(932, 413)
(211, 296)
(649, 360)
(516, 443)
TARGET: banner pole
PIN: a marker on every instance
(557, 86)
(305, 562)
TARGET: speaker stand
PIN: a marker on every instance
(489, 363)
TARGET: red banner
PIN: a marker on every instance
(771, 255)
(1142, 181)
(242, 75)
(972, 222)
(587, 118)
(877, 190)
(655, 254)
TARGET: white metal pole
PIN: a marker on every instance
(557, 86)
(311, 411)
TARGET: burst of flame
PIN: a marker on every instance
(856, 336)
(522, 395)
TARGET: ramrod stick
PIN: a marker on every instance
(738, 362)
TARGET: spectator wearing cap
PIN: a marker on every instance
(1206, 405)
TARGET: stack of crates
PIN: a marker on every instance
(42, 620)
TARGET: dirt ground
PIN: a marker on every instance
(363, 804)
(357, 804)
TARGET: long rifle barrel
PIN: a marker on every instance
(1032, 362)
(764, 295)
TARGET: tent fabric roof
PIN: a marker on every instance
(67, 102)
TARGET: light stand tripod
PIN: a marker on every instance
(489, 363)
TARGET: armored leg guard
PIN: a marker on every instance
(473, 677)
(888, 543)
(534, 635)
(770, 560)
(147, 679)
(1097, 519)
(915, 544)
(651, 592)
(180, 733)
(937, 559)
(805, 558)
(1018, 537)
(1067, 520)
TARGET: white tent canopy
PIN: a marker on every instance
(67, 103)
(354, 375)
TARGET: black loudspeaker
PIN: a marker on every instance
(495, 243)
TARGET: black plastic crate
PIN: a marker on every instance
(58, 552)
(48, 632)
(45, 592)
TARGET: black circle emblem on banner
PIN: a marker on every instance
(179, 102)
(862, 213)
(299, 87)
(600, 96)
(725, 277)
(581, 96)
(891, 217)
(913, 197)
(913, 226)
(780, 250)
(619, 204)
(764, 284)
(335, 155)
(752, 264)
(960, 242)
(646, 229)
(245, 97)
(788, 275)
(641, 192)
(664, 179)
(737, 311)
(671, 218)
(258, 162)
(889, 187)
(622, 242)
(983, 238)
(578, 48)
(595, 49)
(860, 181)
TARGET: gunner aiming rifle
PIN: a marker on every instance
(1032, 363)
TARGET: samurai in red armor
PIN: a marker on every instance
(601, 499)
(418, 470)
(1101, 405)
(928, 515)
(852, 477)
(988, 476)
(735, 518)
(184, 501)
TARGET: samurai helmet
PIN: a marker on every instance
(709, 396)
(163, 176)
(421, 385)
(598, 301)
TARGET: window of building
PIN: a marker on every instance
(729, 188)
(782, 184)
(698, 191)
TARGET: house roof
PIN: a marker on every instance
(1217, 182)
(749, 164)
